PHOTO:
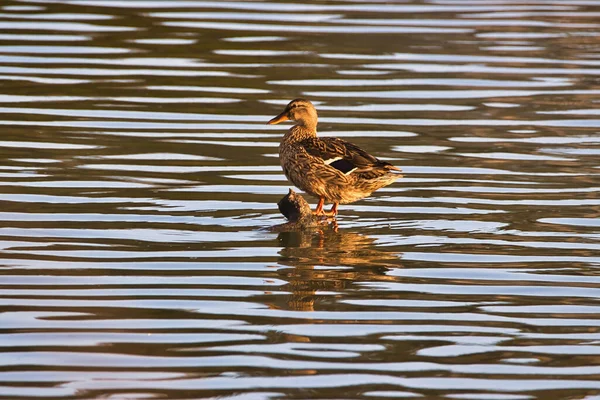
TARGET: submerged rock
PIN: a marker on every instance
(296, 209)
(298, 213)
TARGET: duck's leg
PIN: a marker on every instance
(333, 212)
(329, 214)
(319, 209)
(334, 209)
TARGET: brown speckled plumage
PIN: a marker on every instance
(330, 169)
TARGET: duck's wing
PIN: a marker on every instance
(345, 156)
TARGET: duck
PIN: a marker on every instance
(328, 168)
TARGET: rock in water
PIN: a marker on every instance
(296, 209)
(300, 217)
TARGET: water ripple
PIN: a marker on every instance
(142, 249)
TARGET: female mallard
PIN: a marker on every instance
(331, 169)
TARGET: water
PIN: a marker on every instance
(138, 178)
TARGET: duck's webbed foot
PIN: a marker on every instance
(319, 211)
(334, 209)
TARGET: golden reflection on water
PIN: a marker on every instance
(308, 253)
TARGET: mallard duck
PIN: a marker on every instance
(331, 169)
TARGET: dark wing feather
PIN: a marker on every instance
(351, 155)
(342, 165)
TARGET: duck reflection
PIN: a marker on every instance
(332, 246)
(352, 257)
(310, 244)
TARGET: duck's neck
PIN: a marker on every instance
(300, 132)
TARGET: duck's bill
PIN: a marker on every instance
(280, 118)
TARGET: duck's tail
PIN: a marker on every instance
(397, 172)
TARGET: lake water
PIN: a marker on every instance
(139, 179)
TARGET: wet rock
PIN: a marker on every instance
(296, 209)
(298, 213)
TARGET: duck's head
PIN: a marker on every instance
(301, 111)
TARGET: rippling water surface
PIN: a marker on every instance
(138, 180)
